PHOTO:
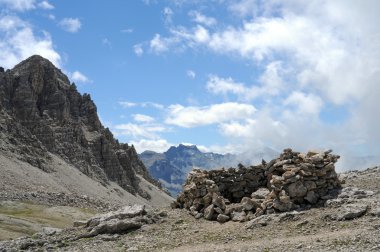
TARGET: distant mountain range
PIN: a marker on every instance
(172, 166)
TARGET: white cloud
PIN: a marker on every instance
(159, 145)
(19, 5)
(127, 30)
(331, 54)
(305, 103)
(201, 34)
(168, 14)
(271, 84)
(107, 42)
(79, 77)
(138, 130)
(18, 42)
(149, 2)
(189, 117)
(143, 118)
(127, 104)
(202, 19)
(223, 86)
(158, 45)
(46, 5)
(70, 24)
(138, 49)
(191, 74)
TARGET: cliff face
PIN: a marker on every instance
(41, 112)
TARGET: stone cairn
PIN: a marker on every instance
(293, 181)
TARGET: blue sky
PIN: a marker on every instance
(229, 76)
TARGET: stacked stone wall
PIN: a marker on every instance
(292, 181)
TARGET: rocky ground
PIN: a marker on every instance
(349, 223)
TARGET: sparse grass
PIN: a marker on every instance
(26, 218)
(16, 229)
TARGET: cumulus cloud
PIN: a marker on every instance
(127, 30)
(305, 103)
(311, 58)
(191, 74)
(168, 14)
(45, 5)
(136, 131)
(79, 77)
(159, 45)
(270, 83)
(70, 24)
(127, 104)
(218, 85)
(192, 116)
(143, 118)
(18, 41)
(159, 145)
(107, 42)
(202, 19)
(138, 49)
(19, 5)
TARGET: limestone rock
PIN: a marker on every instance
(249, 204)
(125, 212)
(351, 211)
(258, 222)
(120, 221)
(222, 218)
(261, 193)
(238, 216)
(209, 212)
(41, 112)
(297, 189)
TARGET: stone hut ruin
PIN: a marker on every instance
(293, 181)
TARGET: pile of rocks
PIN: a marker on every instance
(292, 181)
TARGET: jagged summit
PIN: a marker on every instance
(182, 150)
(42, 112)
(37, 63)
(35, 59)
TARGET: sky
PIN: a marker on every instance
(226, 75)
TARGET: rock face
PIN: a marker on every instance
(41, 112)
(292, 181)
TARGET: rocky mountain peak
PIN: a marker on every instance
(182, 150)
(39, 100)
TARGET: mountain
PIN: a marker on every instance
(43, 118)
(172, 166)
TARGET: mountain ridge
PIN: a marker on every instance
(172, 166)
(42, 113)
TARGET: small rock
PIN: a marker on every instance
(51, 231)
(209, 212)
(222, 218)
(133, 249)
(79, 223)
(299, 246)
(258, 222)
(351, 211)
(248, 204)
(238, 216)
(375, 212)
(261, 193)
